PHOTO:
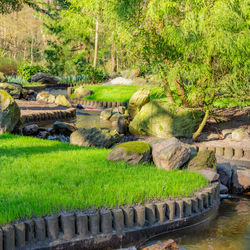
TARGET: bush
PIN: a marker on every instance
(27, 71)
(8, 66)
(93, 75)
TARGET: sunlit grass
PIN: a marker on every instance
(119, 93)
(39, 177)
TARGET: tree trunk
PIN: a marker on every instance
(202, 125)
(113, 63)
(96, 43)
(32, 49)
(181, 93)
(117, 62)
(168, 93)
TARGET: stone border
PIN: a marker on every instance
(49, 116)
(228, 152)
(98, 104)
(53, 86)
(98, 229)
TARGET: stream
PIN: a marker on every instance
(229, 230)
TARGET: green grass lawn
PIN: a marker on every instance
(40, 177)
(118, 93)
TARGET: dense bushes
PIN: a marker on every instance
(92, 74)
(26, 71)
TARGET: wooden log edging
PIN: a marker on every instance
(49, 116)
(98, 104)
(98, 229)
(228, 152)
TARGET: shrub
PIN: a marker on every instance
(8, 66)
(92, 74)
(27, 71)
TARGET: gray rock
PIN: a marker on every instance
(244, 178)
(122, 125)
(225, 172)
(240, 134)
(31, 129)
(236, 187)
(210, 175)
(43, 78)
(45, 96)
(14, 89)
(9, 113)
(203, 160)
(96, 137)
(43, 134)
(170, 154)
(133, 152)
(60, 137)
(63, 128)
(223, 189)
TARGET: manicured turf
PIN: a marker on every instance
(39, 177)
(118, 93)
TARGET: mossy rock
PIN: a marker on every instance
(62, 100)
(14, 89)
(9, 113)
(2, 77)
(82, 92)
(95, 137)
(164, 120)
(45, 96)
(137, 101)
(106, 114)
(133, 152)
(203, 160)
(139, 147)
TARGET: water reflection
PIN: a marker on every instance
(230, 230)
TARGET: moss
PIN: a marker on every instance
(139, 147)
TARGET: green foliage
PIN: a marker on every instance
(35, 173)
(26, 70)
(7, 6)
(93, 75)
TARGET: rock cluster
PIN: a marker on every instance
(46, 97)
(118, 116)
(82, 92)
(60, 131)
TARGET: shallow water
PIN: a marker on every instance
(230, 230)
(89, 119)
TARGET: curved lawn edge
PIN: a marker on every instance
(96, 229)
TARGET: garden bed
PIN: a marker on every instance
(40, 177)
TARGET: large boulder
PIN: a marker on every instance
(32, 129)
(43, 78)
(62, 100)
(240, 180)
(137, 101)
(9, 113)
(63, 128)
(14, 89)
(132, 152)
(82, 92)
(45, 96)
(225, 172)
(203, 160)
(170, 154)
(96, 137)
(161, 119)
(240, 134)
(2, 77)
(210, 175)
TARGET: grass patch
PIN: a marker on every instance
(118, 93)
(40, 177)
